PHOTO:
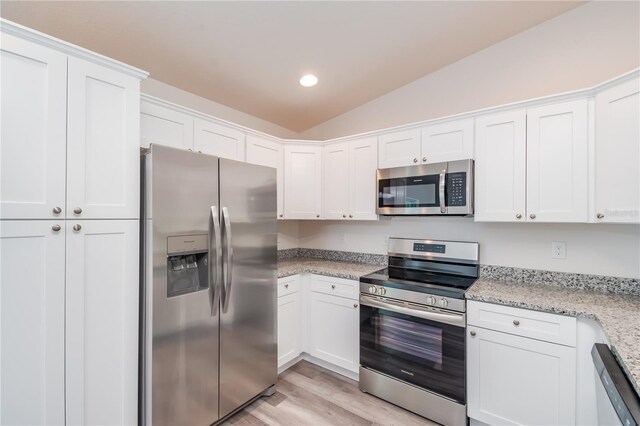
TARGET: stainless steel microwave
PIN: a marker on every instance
(427, 189)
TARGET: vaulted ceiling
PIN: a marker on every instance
(250, 55)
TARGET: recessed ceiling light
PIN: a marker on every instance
(308, 80)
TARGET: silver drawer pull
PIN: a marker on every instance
(77, 227)
(286, 286)
(472, 333)
(57, 210)
(77, 210)
(333, 286)
(56, 228)
(516, 323)
(355, 305)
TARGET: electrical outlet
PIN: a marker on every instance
(558, 250)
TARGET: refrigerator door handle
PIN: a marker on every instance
(227, 268)
(215, 262)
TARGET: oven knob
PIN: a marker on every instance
(382, 291)
(431, 300)
(443, 303)
(373, 290)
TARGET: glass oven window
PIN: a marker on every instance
(413, 339)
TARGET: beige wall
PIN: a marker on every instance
(173, 94)
(578, 49)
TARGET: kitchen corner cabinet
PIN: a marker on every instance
(289, 319)
(616, 170)
(268, 153)
(219, 140)
(102, 322)
(513, 375)
(349, 184)
(165, 126)
(302, 181)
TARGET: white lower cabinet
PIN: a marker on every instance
(289, 319)
(519, 380)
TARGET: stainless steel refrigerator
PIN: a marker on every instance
(208, 282)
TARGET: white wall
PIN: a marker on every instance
(578, 49)
(600, 249)
(288, 234)
(178, 96)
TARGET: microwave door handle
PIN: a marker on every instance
(443, 175)
(457, 320)
(215, 261)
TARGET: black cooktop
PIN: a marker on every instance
(422, 282)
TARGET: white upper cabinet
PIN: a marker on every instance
(165, 126)
(33, 140)
(557, 162)
(617, 154)
(268, 153)
(447, 142)
(363, 163)
(103, 154)
(32, 315)
(399, 148)
(217, 139)
(302, 181)
(102, 322)
(500, 176)
(335, 189)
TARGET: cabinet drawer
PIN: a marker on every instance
(523, 322)
(335, 286)
(288, 285)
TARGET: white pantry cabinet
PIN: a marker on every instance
(164, 125)
(616, 166)
(219, 140)
(102, 322)
(500, 167)
(34, 110)
(514, 375)
(302, 181)
(349, 180)
(32, 255)
(289, 319)
(103, 124)
(557, 162)
(448, 141)
(268, 153)
(333, 323)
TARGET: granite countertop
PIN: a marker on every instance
(331, 268)
(618, 314)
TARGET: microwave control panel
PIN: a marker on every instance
(456, 189)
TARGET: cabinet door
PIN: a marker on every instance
(447, 142)
(271, 154)
(399, 149)
(302, 181)
(335, 187)
(519, 381)
(103, 145)
(289, 336)
(500, 188)
(557, 163)
(32, 318)
(102, 322)
(216, 139)
(33, 140)
(165, 126)
(617, 154)
(334, 330)
(363, 163)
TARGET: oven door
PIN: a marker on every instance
(417, 344)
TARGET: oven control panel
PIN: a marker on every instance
(414, 297)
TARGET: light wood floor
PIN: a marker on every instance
(311, 395)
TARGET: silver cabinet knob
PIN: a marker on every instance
(190, 149)
(415, 160)
(472, 333)
(286, 286)
(599, 215)
(532, 216)
(424, 159)
(281, 215)
(344, 215)
(57, 210)
(199, 152)
(77, 210)
(317, 215)
(355, 305)
(516, 323)
(518, 216)
(333, 286)
(56, 228)
(77, 227)
(350, 216)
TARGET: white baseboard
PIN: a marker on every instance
(324, 364)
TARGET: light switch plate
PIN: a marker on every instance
(558, 250)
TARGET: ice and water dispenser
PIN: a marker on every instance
(187, 260)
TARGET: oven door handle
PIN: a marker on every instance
(457, 320)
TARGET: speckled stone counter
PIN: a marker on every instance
(331, 268)
(619, 314)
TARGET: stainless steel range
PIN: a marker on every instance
(412, 327)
